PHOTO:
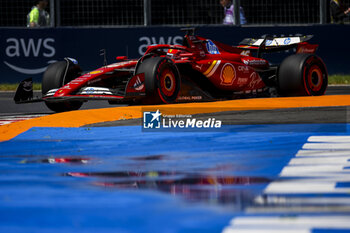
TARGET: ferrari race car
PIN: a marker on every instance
(199, 70)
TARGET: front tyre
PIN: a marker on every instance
(162, 79)
(302, 75)
(57, 75)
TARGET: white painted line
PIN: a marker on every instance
(323, 153)
(329, 222)
(302, 200)
(302, 187)
(302, 170)
(266, 230)
(320, 160)
(328, 146)
(17, 118)
(317, 169)
(293, 209)
(333, 176)
(4, 120)
(329, 139)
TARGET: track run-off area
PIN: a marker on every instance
(59, 173)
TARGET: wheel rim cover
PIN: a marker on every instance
(167, 82)
(315, 78)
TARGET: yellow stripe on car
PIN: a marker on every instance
(210, 67)
(214, 69)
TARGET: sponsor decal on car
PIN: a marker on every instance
(28, 85)
(190, 98)
(242, 81)
(90, 91)
(255, 80)
(254, 62)
(96, 72)
(268, 42)
(228, 74)
(95, 91)
(67, 87)
(244, 69)
(138, 86)
(118, 64)
(281, 41)
(245, 53)
(307, 48)
(212, 48)
(79, 80)
(199, 67)
(75, 62)
(94, 80)
(287, 41)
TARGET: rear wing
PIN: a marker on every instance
(274, 44)
(275, 41)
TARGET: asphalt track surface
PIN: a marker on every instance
(279, 170)
(8, 107)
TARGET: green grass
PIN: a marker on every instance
(332, 79)
(339, 79)
(13, 87)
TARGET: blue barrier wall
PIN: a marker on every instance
(27, 52)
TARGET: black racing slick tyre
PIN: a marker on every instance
(162, 80)
(302, 75)
(57, 75)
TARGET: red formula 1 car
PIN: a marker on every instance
(199, 70)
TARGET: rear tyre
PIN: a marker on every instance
(302, 75)
(55, 77)
(162, 80)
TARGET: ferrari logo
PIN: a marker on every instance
(228, 75)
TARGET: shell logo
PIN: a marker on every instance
(228, 74)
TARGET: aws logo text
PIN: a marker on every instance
(41, 47)
(15, 47)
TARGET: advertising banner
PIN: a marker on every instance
(27, 52)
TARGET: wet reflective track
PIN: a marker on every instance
(285, 178)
